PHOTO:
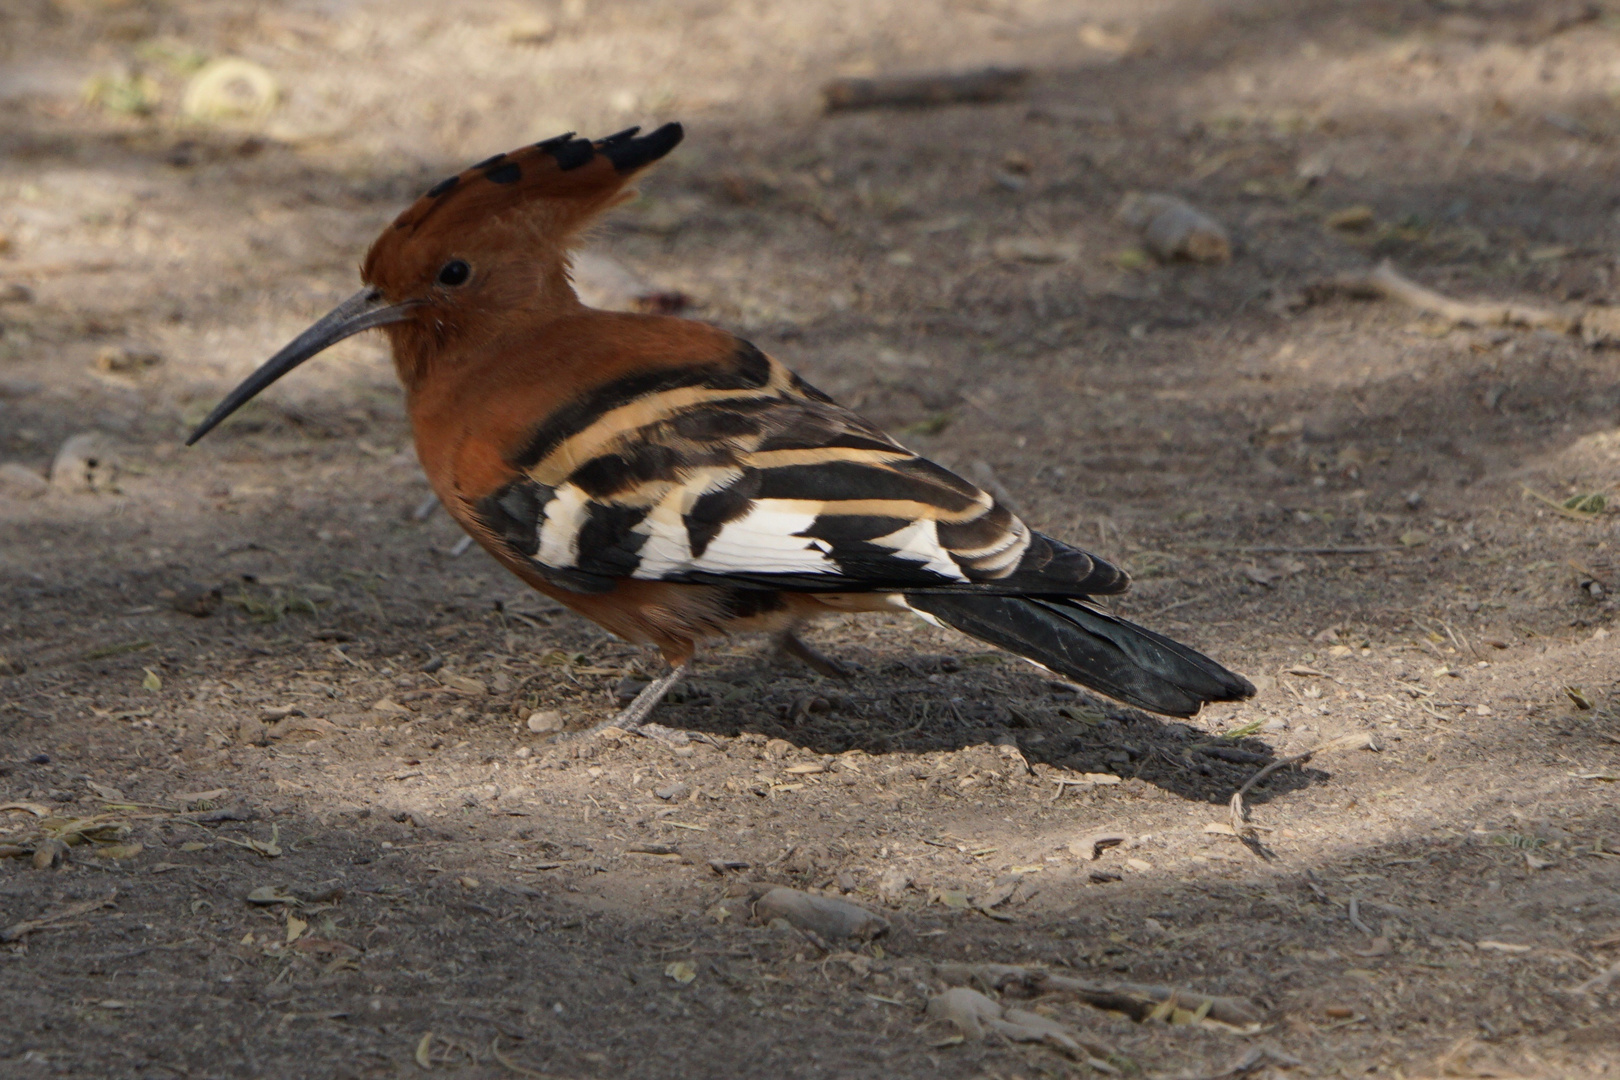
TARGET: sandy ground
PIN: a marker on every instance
(253, 668)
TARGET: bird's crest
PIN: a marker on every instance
(559, 185)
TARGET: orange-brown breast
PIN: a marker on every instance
(471, 415)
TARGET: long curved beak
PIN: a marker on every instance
(362, 311)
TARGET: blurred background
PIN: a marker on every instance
(1117, 260)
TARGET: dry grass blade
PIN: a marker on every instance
(1571, 512)
(1600, 981)
(512, 1066)
(18, 931)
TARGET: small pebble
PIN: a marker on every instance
(544, 721)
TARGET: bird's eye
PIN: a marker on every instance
(454, 272)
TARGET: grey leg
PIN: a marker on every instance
(790, 643)
(635, 714)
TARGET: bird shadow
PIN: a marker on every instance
(924, 704)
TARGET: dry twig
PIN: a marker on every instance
(989, 84)
(1600, 981)
(1384, 282)
(18, 931)
(1240, 821)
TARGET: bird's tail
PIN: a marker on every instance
(1120, 659)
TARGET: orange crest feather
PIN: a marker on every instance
(556, 187)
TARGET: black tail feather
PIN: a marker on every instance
(1119, 658)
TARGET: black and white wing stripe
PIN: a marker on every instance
(740, 473)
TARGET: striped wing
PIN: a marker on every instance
(740, 473)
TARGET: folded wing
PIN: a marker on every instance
(740, 473)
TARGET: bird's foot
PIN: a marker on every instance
(790, 644)
(635, 714)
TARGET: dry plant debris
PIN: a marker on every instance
(944, 88)
(974, 1016)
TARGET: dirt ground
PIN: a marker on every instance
(256, 667)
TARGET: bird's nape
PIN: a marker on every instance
(363, 311)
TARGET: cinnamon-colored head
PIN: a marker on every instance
(482, 253)
(487, 249)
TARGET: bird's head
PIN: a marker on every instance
(479, 252)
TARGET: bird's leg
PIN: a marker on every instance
(635, 714)
(790, 644)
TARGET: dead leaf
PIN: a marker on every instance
(230, 90)
(682, 971)
(1257, 575)
(465, 684)
(268, 848)
(295, 927)
(998, 893)
(422, 1049)
(266, 895)
(105, 793)
(121, 851)
(1091, 846)
(1351, 218)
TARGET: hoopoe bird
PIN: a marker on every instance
(670, 481)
